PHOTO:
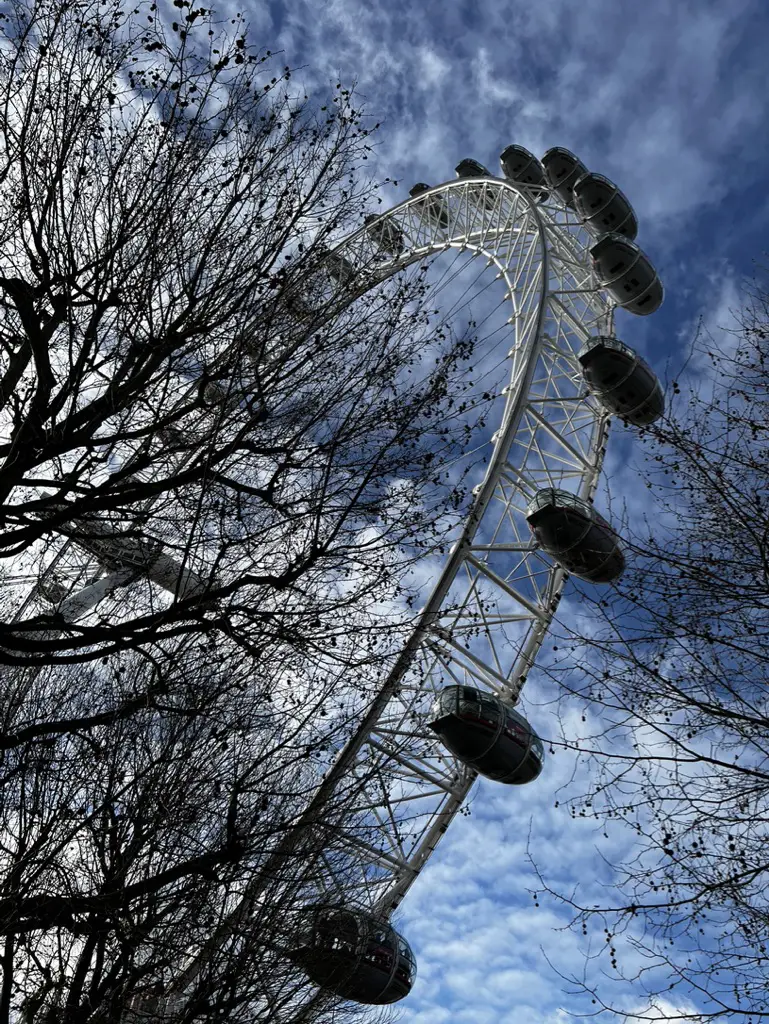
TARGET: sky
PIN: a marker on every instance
(669, 100)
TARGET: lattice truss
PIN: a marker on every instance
(491, 607)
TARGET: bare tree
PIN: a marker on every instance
(219, 455)
(674, 670)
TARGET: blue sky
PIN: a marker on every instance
(669, 100)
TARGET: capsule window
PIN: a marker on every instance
(617, 267)
(515, 731)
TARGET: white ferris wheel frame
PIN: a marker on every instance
(393, 789)
(553, 433)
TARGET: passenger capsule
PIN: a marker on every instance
(627, 274)
(562, 168)
(575, 535)
(434, 206)
(621, 381)
(385, 233)
(309, 298)
(487, 735)
(338, 268)
(522, 167)
(472, 169)
(356, 955)
(602, 207)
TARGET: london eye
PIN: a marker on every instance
(553, 247)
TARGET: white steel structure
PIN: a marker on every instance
(397, 789)
(392, 790)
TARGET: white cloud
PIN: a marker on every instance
(433, 68)
(652, 94)
(663, 1009)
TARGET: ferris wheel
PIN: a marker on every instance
(545, 252)
(560, 242)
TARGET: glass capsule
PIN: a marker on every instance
(562, 169)
(487, 735)
(627, 274)
(572, 532)
(356, 955)
(602, 207)
(621, 381)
